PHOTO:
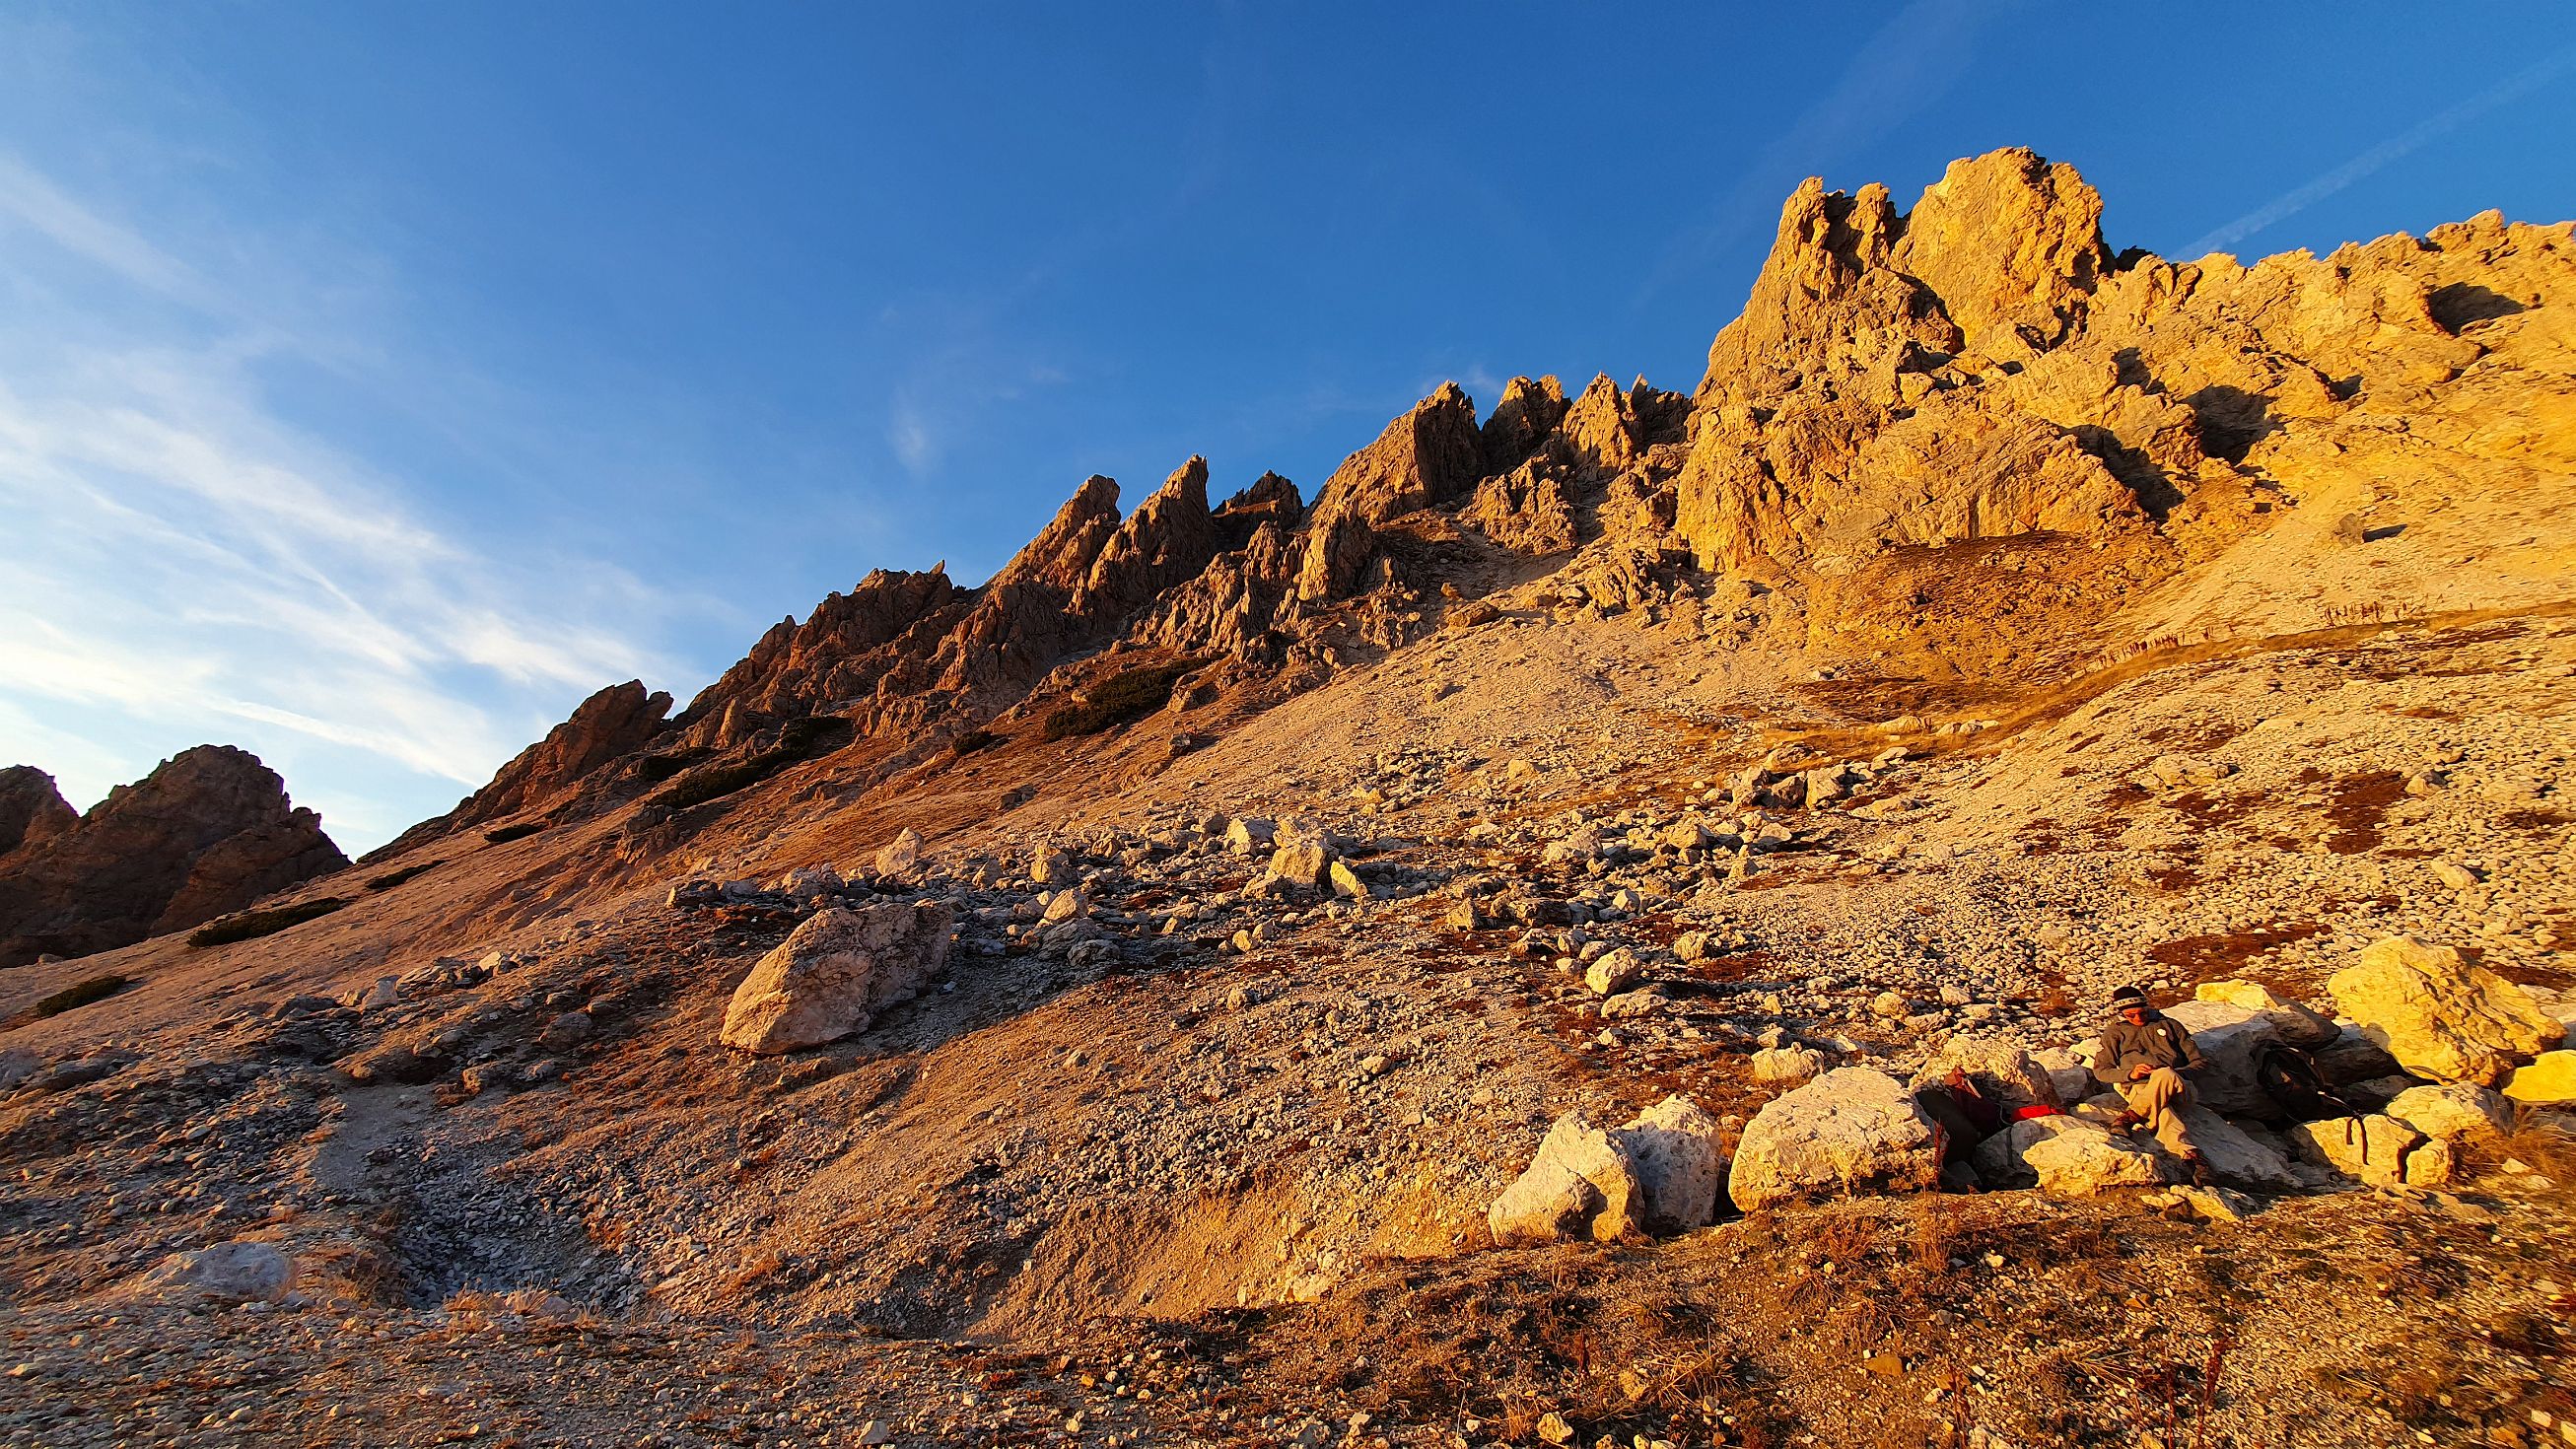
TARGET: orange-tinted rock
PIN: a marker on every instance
(208, 832)
(1529, 510)
(2006, 239)
(1608, 430)
(1428, 456)
(834, 660)
(1166, 541)
(615, 722)
(1528, 412)
(1271, 499)
(1826, 302)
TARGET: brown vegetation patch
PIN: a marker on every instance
(2211, 813)
(2174, 878)
(2190, 737)
(2357, 806)
(2217, 957)
(1742, 965)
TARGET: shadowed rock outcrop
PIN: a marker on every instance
(32, 811)
(608, 726)
(208, 832)
(1165, 542)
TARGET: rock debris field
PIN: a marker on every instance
(1488, 957)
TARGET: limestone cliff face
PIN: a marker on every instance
(2007, 240)
(1166, 542)
(1527, 413)
(32, 811)
(1981, 368)
(1429, 456)
(1913, 410)
(209, 831)
(832, 662)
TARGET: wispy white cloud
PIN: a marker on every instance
(909, 433)
(2290, 203)
(31, 200)
(190, 561)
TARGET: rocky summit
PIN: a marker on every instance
(1591, 925)
(208, 832)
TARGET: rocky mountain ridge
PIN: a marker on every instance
(1915, 414)
(209, 831)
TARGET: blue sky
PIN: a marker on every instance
(377, 380)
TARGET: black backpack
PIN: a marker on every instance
(2290, 1078)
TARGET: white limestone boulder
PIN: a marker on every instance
(833, 974)
(1852, 1130)
(2441, 1017)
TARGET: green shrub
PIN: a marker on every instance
(973, 740)
(248, 925)
(82, 993)
(802, 739)
(393, 878)
(507, 833)
(1119, 699)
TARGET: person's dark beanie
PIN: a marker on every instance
(2126, 997)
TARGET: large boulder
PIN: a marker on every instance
(2452, 1110)
(2229, 1036)
(2549, 1080)
(1998, 1066)
(1615, 971)
(239, 1271)
(1680, 1164)
(1580, 1184)
(899, 855)
(2352, 1057)
(2065, 1156)
(2440, 1016)
(1787, 1064)
(1851, 1130)
(1659, 1174)
(2235, 1157)
(2378, 1150)
(833, 974)
(1303, 863)
(2298, 1025)
(2086, 1160)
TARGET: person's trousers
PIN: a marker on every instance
(2159, 1098)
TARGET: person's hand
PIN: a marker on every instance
(2140, 1072)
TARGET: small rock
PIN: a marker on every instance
(2454, 875)
(1614, 972)
(900, 854)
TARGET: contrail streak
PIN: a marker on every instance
(2511, 88)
